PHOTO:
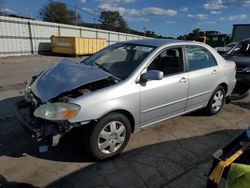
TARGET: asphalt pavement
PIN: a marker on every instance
(173, 153)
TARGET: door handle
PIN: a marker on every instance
(214, 72)
(183, 80)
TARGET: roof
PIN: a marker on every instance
(154, 42)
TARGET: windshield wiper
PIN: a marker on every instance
(106, 70)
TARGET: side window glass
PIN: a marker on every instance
(212, 60)
(169, 61)
(198, 58)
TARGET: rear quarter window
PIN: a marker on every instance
(199, 58)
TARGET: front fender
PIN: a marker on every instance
(97, 104)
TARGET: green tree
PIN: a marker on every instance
(196, 33)
(58, 12)
(112, 20)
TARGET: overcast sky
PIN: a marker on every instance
(165, 17)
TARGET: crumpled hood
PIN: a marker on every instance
(63, 77)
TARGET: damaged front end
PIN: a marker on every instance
(46, 109)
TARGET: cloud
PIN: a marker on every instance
(137, 20)
(83, 1)
(219, 4)
(134, 12)
(7, 11)
(215, 12)
(123, 11)
(170, 22)
(202, 16)
(190, 15)
(198, 16)
(89, 10)
(233, 17)
(116, 2)
(184, 9)
(222, 18)
(237, 3)
(237, 17)
(214, 5)
(159, 11)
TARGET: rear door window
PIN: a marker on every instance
(199, 58)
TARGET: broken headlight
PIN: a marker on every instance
(57, 111)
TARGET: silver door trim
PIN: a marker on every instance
(163, 119)
(197, 95)
(164, 105)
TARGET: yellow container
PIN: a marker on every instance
(76, 45)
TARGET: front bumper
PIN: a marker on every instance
(41, 130)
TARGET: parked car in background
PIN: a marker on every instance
(240, 54)
(222, 50)
(124, 88)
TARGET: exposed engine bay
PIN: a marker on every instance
(84, 90)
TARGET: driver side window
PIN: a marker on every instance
(169, 61)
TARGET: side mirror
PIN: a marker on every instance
(153, 75)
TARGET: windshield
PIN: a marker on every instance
(242, 48)
(119, 59)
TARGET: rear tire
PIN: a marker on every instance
(216, 101)
(110, 136)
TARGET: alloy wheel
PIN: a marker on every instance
(111, 137)
(217, 100)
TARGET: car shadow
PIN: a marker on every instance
(243, 104)
(197, 113)
(175, 163)
(5, 184)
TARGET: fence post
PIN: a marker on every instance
(31, 40)
(59, 30)
(80, 32)
(96, 34)
(109, 37)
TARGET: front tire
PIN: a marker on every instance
(110, 136)
(216, 101)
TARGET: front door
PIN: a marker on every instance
(164, 98)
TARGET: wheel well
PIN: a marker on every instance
(129, 116)
(224, 85)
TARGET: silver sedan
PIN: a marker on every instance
(124, 88)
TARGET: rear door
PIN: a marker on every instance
(204, 74)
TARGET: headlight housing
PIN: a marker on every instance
(57, 111)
